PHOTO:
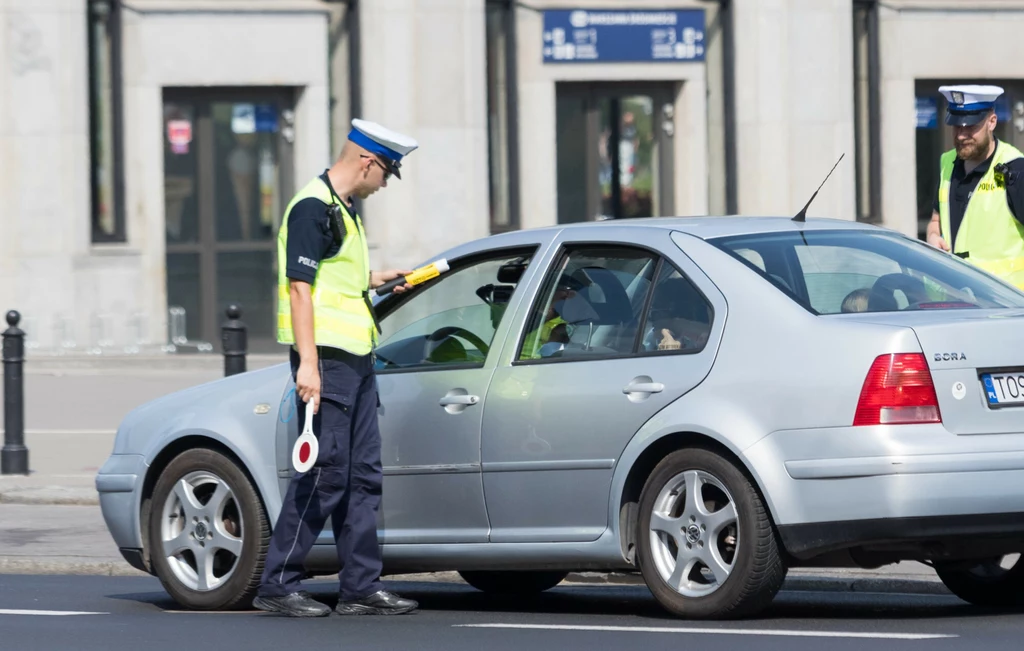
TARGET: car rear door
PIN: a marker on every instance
(555, 425)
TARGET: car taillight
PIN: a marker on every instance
(898, 391)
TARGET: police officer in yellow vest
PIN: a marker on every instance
(979, 211)
(325, 314)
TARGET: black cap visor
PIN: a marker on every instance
(960, 119)
(393, 167)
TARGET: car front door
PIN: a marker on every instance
(615, 332)
(433, 369)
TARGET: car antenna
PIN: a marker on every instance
(802, 215)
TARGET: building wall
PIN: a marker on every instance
(422, 70)
(424, 74)
(537, 117)
(44, 159)
(934, 40)
(49, 268)
(794, 106)
(166, 48)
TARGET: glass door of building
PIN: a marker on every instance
(227, 179)
(934, 137)
(614, 150)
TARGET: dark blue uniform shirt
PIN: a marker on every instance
(309, 239)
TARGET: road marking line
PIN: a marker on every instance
(717, 631)
(47, 612)
(213, 612)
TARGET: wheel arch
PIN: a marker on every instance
(160, 462)
(643, 466)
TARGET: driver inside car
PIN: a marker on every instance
(554, 328)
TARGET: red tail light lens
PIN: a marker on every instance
(898, 391)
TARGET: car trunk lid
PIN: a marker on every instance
(976, 359)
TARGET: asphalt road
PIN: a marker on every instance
(104, 613)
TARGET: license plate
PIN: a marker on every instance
(1004, 388)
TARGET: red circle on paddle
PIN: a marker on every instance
(304, 453)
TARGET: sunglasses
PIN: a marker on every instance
(376, 161)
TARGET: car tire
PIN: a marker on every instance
(519, 583)
(985, 583)
(222, 494)
(750, 570)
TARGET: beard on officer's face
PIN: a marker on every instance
(973, 142)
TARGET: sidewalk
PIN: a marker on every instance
(50, 522)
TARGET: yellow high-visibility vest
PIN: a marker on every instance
(989, 234)
(341, 310)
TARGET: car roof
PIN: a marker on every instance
(707, 227)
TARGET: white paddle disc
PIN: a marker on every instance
(306, 448)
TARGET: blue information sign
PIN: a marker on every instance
(585, 36)
(927, 113)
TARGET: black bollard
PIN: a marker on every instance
(233, 341)
(14, 456)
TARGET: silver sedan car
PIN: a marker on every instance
(705, 401)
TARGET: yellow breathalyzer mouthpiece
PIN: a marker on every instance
(421, 275)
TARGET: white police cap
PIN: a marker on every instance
(390, 145)
(969, 104)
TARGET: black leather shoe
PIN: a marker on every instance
(296, 604)
(379, 603)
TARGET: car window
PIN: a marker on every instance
(590, 304)
(452, 320)
(832, 272)
(679, 318)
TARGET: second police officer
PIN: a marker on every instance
(979, 210)
(325, 315)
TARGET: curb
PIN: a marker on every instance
(66, 566)
(866, 585)
(861, 583)
(50, 495)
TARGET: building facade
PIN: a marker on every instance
(148, 147)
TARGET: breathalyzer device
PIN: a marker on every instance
(421, 275)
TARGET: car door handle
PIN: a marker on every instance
(459, 400)
(644, 387)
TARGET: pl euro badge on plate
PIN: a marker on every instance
(306, 448)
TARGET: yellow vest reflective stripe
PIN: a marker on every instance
(989, 234)
(341, 314)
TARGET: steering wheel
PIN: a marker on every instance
(438, 336)
(883, 291)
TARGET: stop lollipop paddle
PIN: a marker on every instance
(306, 448)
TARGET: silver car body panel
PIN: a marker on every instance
(509, 483)
(554, 430)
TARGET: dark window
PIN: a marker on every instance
(501, 115)
(108, 223)
(679, 317)
(867, 121)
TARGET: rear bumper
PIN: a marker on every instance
(831, 489)
(811, 539)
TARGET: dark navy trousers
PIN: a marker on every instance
(344, 484)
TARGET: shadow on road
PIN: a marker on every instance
(633, 601)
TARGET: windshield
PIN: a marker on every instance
(833, 272)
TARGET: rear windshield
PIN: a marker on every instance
(831, 272)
